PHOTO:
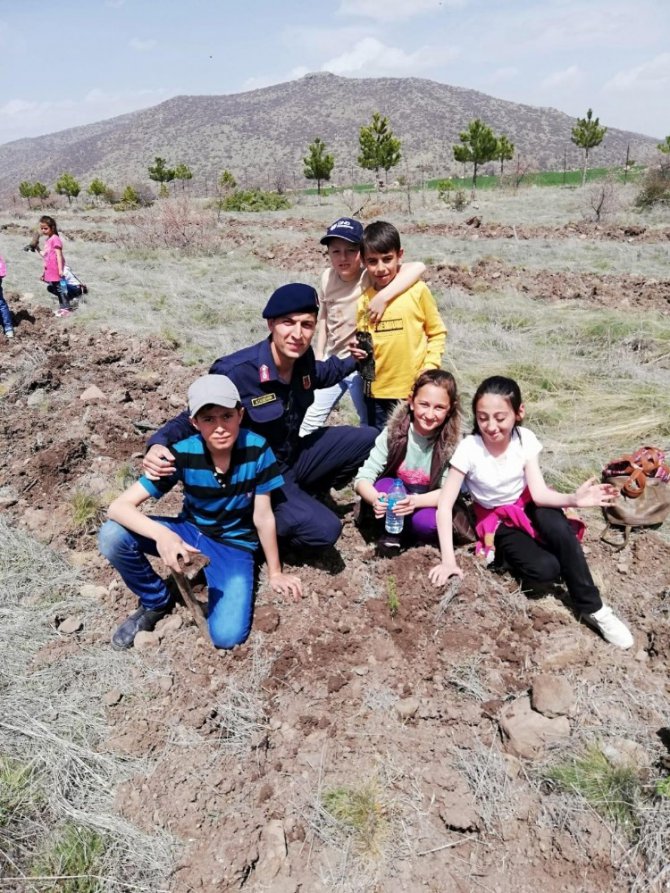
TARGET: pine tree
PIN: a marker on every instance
(161, 173)
(318, 163)
(183, 172)
(587, 134)
(67, 185)
(27, 190)
(504, 151)
(97, 188)
(380, 149)
(478, 146)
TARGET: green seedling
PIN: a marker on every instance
(393, 601)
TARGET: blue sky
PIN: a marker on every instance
(78, 61)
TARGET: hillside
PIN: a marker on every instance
(262, 135)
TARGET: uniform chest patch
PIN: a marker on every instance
(306, 382)
(261, 401)
(264, 373)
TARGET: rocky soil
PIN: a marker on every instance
(444, 713)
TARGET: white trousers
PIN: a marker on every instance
(326, 399)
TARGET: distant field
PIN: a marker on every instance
(487, 181)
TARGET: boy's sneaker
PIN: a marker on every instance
(388, 545)
(9, 333)
(62, 311)
(142, 620)
(610, 627)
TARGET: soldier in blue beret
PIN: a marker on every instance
(276, 379)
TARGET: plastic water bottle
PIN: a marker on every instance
(394, 523)
(62, 286)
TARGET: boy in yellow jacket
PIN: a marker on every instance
(410, 336)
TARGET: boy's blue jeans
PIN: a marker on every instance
(230, 576)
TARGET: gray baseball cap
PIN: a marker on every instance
(215, 389)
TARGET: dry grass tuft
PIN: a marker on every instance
(53, 775)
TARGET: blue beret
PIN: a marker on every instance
(296, 297)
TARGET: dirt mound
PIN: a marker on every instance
(257, 752)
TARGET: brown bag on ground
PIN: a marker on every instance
(642, 482)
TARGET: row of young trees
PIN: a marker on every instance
(380, 150)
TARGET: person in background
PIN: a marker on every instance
(5, 314)
(54, 265)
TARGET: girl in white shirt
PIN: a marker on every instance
(520, 520)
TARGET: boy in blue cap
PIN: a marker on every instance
(276, 379)
(341, 287)
(228, 474)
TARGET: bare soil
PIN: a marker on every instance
(347, 694)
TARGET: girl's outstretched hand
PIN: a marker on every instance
(439, 575)
(590, 494)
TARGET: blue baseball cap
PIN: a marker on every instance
(296, 297)
(344, 228)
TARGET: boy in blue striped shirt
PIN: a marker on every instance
(228, 474)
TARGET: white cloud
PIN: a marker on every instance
(142, 46)
(651, 75)
(394, 10)
(567, 77)
(371, 57)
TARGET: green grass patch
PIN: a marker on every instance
(87, 510)
(613, 791)
(363, 814)
(19, 794)
(72, 860)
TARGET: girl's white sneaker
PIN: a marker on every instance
(610, 627)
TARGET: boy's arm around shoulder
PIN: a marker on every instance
(408, 275)
(435, 329)
(125, 511)
(264, 522)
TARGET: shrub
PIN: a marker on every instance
(655, 187)
(177, 224)
(254, 200)
(444, 190)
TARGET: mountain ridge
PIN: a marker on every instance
(262, 135)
